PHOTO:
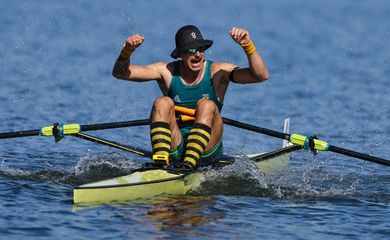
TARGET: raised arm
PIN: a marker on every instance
(123, 70)
(257, 71)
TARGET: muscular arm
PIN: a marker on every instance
(121, 67)
(257, 70)
(123, 70)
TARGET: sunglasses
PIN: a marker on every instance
(192, 51)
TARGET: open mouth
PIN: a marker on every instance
(196, 62)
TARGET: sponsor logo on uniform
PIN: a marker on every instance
(206, 95)
(176, 99)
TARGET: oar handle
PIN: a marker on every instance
(184, 110)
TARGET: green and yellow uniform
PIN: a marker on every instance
(195, 135)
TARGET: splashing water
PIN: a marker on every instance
(243, 178)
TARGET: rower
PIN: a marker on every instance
(192, 82)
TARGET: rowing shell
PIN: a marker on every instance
(150, 182)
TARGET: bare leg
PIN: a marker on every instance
(164, 111)
(207, 113)
(205, 134)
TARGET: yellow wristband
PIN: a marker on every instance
(249, 48)
(126, 53)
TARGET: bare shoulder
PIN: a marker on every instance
(166, 71)
(221, 70)
(158, 66)
(154, 71)
(218, 66)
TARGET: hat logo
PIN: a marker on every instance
(193, 35)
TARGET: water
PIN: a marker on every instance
(329, 73)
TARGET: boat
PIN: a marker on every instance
(150, 181)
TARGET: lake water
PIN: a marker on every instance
(329, 72)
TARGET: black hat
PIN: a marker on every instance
(189, 37)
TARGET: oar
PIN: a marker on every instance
(296, 139)
(74, 128)
(70, 129)
(305, 142)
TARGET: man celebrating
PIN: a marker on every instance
(191, 82)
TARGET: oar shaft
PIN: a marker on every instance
(234, 123)
(358, 155)
(103, 126)
(27, 133)
(253, 128)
